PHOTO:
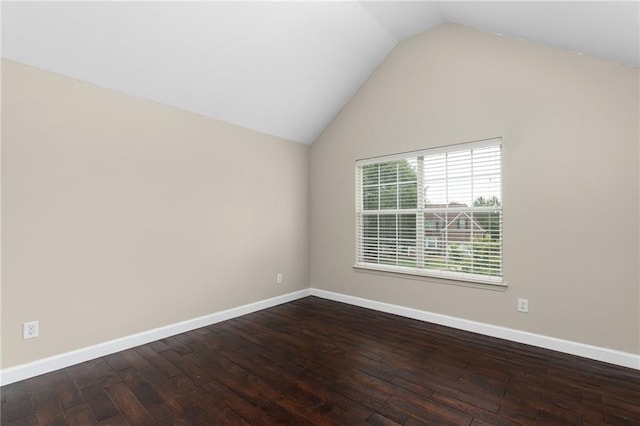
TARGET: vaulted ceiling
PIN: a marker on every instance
(282, 68)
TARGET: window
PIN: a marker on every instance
(432, 243)
(411, 207)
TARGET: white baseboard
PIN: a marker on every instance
(610, 356)
(46, 365)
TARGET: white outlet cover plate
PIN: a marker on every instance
(523, 305)
(30, 330)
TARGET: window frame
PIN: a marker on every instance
(421, 229)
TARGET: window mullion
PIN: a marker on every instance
(420, 193)
(378, 252)
(397, 250)
(359, 215)
(473, 244)
(446, 213)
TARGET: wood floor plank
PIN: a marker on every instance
(82, 375)
(134, 359)
(100, 403)
(119, 420)
(17, 401)
(378, 420)
(175, 405)
(318, 362)
(103, 372)
(30, 420)
(128, 404)
(157, 361)
(117, 362)
(80, 415)
(430, 412)
(48, 408)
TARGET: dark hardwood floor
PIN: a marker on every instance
(314, 362)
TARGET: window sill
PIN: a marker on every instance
(376, 270)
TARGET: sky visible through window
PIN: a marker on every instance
(462, 177)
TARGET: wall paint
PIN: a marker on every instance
(122, 215)
(570, 134)
(166, 190)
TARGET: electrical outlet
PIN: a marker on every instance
(30, 330)
(523, 305)
(279, 278)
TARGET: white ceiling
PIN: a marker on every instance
(282, 68)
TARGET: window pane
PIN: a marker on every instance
(486, 256)
(459, 178)
(388, 197)
(483, 201)
(370, 250)
(407, 253)
(389, 172)
(488, 223)
(435, 180)
(370, 174)
(388, 227)
(459, 164)
(434, 234)
(459, 256)
(407, 170)
(370, 198)
(434, 253)
(486, 174)
(408, 195)
(388, 254)
(486, 190)
(370, 225)
(407, 226)
(459, 192)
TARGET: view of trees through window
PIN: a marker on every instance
(440, 212)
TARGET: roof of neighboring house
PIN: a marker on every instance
(451, 217)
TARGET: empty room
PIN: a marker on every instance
(320, 213)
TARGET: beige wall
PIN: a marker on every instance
(121, 215)
(570, 132)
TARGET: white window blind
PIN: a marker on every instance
(436, 212)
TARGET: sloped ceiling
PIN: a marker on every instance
(282, 68)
